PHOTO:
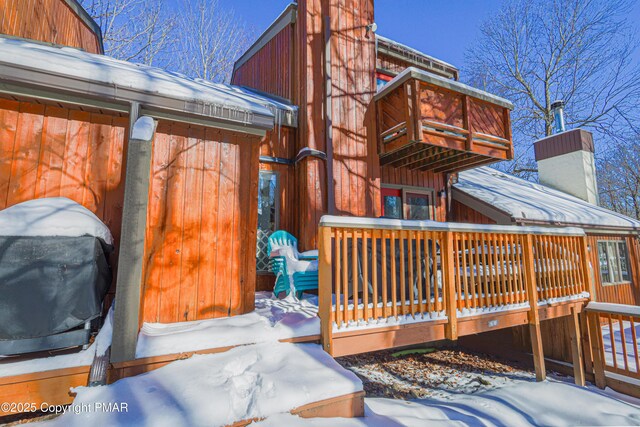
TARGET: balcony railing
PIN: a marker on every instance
(427, 122)
(375, 273)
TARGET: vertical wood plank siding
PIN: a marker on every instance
(628, 293)
(311, 178)
(47, 151)
(202, 220)
(355, 157)
(51, 21)
(269, 70)
(356, 171)
(463, 213)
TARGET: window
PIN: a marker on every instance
(382, 79)
(614, 262)
(418, 205)
(392, 203)
(407, 203)
(268, 212)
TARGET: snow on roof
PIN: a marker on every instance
(97, 73)
(414, 51)
(526, 201)
(52, 216)
(456, 86)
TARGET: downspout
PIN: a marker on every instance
(328, 114)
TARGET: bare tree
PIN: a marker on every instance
(619, 179)
(210, 40)
(580, 51)
(141, 31)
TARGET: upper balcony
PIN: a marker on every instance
(427, 122)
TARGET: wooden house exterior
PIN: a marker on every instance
(384, 131)
(69, 131)
(328, 120)
(63, 23)
(344, 158)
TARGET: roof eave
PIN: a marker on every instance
(250, 121)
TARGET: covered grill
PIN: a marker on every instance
(54, 274)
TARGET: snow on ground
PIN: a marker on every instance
(617, 343)
(81, 358)
(272, 320)
(52, 216)
(247, 382)
(549, 403)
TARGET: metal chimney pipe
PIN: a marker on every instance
(557, 109)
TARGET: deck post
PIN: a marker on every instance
(586, 347)
(324, 288)
(584, 257)
(576, 348)
(451, 330)
(534, 318)
(595, 338)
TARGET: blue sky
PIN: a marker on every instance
(441, 28)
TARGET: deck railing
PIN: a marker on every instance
(372, 270)
(613, 334)
(428, 122)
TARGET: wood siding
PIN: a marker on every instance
(355, 158)
(311, 173)
(201, 224)
(270, 69)
(51, 21)
(48, 151)
(627, 293)
(463, 213)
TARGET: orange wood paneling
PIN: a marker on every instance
(309, 94)
(270, 69)
(199, 257)
(50, 21)
(622, 293)
(463, 213)
(355, 159)
(48, 151)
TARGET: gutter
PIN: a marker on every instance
(20, 80)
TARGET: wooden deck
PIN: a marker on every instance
(429, 123)
(388, 283)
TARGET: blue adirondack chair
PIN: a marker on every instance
(292, 269)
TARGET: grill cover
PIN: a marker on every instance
(49, 285)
